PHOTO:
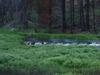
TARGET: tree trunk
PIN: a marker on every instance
(93, 9)
(72, 14)
(50, 16)
(87, 15)
(81, 8)
(64, 16)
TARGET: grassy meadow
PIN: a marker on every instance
(19, 59)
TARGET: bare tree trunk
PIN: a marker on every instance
(72, 14)
(50, 16)
(87, 15)
(64, 16)
(81, 8)
(93, 9)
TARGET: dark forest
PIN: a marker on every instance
(51, 16)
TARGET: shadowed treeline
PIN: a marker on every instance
(53, 16)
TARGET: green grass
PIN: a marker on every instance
(66, 36)
(46, 36)
(17, 58)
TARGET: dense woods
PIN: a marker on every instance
(52, 16)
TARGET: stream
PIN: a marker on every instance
(64, 42)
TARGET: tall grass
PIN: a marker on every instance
(66, 36)
(17, 58)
